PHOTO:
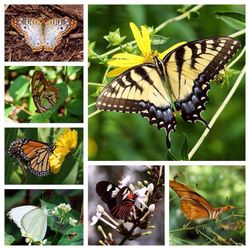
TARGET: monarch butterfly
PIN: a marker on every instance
(120, 201)
(34, 154)
(194, 206)
(45, 95)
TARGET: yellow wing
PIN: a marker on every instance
(187, 69)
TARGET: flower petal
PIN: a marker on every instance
(116, 72)
(147, 41)
(143, 45)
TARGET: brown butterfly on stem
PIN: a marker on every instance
(194, 206)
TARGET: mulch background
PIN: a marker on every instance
(71, 47)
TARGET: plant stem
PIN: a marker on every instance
(94, 113)
(177, 18)
(96, 84)
(238, 33)
(200, 232)
(127, 236)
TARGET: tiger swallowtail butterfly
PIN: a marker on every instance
(120, 201)
(45, 95)
(178, 82)
(194, 206)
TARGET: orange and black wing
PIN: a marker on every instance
(35, 154)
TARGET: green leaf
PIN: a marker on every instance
(73, 69)
(171, 156)
(19, 87)
(75, 88)
(235, 20)
(8, 239)
(73, 236)
(41, 117)
(75, 107)
(8, 110)
(159, 40)
(184, 149)
(10, 136)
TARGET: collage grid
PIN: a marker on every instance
(132, 172)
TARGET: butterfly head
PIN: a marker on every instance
(221, 210)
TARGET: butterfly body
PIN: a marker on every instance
(45, 95)
(193, 205)
(120, 201)
(30, 219)
(43, 35)
(34, 154)
(179, 81)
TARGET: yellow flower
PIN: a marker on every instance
(65, 143)
(124, 61)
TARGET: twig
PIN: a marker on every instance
(178, 18)
(200, 232)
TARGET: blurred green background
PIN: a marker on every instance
(220, 185)
(57, 234)
(19, 105)
(71, 171)
(118, 136)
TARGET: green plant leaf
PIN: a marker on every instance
(235, 20)
(75, 107)
(8, 239)
(19, 87)
(184, 149)
(73, 69)
(10, 136)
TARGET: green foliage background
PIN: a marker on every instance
(118, 136)
(69, 108)
(71, 170)
(220, 185)
(56, 234)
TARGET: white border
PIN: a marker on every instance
(85, 3)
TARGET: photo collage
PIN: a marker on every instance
(82, 165)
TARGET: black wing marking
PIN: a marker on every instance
(141, 90)
(191, 66)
